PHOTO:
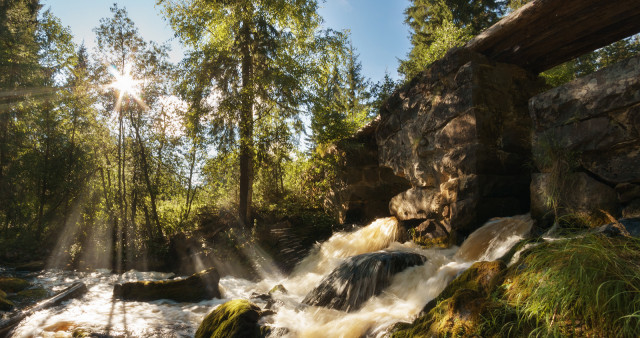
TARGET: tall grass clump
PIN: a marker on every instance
(587, 286)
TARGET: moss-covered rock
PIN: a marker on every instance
(481, 277)
(30, 266)
(235, 318)
(200, 286)
(457, 311)
(5, 304)
(30, 295)
(278, 289)
(11, 284)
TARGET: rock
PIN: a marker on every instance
(481, 277)
(458, 309)
(359, 278)
(593, 125)
(622, 227)
(278, 289)
(632, 209)
(30, 295)
(12, 285)
(234, 319)
(459, 132)
(430, 233)
(30, 266)
(362, 188)
(200, 286)
(576, 194)
(5, 304)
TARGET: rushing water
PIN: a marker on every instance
(407, 294)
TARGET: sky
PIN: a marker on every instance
(377, 27)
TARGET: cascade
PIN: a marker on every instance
(408, 276)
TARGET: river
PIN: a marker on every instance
(99, 313)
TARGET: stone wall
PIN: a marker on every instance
(460, 134)
(363, 188)
(586, 146)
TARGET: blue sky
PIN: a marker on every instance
(376, 26)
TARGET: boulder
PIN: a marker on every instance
(592, 126)
(576, 194)
(200, 286)
(30, 266)
(458, 310)
(30, 295)
(5, 304)
(481, 277)
(12, 284)
(359, 278)
(234, 319)
(459, 133)
(622, 227)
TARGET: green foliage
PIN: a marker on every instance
(593, 61)
(438, 25)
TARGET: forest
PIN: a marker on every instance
(121, 144)
(108, 155)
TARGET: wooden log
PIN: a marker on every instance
(74, 291)
(546, 33)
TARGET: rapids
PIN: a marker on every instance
(407, 294)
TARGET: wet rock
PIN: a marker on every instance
(359, 278)
(278, 289)
(480, 277)
(457, 310)
(430, 233)
(200, 286)
(234, 319)
(30, 266)
(5, 304)
(622, 227)
(30, 295)
(12, 285)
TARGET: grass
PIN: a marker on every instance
(587, 286)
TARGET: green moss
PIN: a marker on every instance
(235, 318)
(10, 284)
(31, 295)
(457, 311)
(5, 304)
(481, 277)
(278, 288)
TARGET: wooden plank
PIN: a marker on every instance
(546, 33)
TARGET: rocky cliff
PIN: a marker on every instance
(460, 134)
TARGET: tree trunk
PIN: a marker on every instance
(246, 128)
(147, 179)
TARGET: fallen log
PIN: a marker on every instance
(74, 291)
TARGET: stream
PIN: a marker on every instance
(99, 313)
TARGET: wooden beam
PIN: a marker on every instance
(546, 33)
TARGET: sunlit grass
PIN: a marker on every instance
(587, 286)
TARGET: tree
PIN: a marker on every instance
(438, 25)
(253, 58)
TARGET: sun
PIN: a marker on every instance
(124, 83)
